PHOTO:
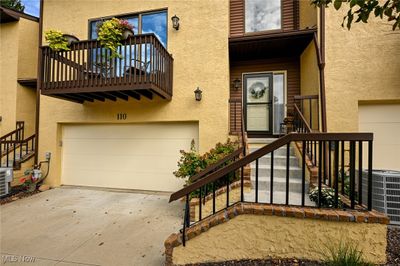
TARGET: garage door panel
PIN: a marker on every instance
(124, 180)
(384, 121)
(379, 113)
(164, 163)
(125, 131)
(126, 147)
(385, 133)
(125, 156)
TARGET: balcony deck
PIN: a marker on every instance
(88, 72)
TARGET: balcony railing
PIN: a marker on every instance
(88, 72)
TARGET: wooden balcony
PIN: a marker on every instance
(88, 72)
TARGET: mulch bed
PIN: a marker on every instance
(284, 262)
(393, 245)
(16, 195)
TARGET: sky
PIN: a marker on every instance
(31, 7)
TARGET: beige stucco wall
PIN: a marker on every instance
(18, 61)
(8, 75)
(308, 14)
(361, 64)
(258, 236)
(200, 52)
(309, 80)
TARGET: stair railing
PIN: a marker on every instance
(324, 179)
(10, 149)
(307, 104)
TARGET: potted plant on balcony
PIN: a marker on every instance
(127, 29)
(70, 38)
(57, 41)
(111, 32)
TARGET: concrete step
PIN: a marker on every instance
(295, 185)
(278, 152)
(278, 160)
(264, 171)
(262, 141)
(279, 197)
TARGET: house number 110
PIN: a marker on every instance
(122, 116)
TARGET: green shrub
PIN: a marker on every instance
(344, 254)
(327, 198)
(110, 32)
(191, 163)
(56, 40)
(346, 180)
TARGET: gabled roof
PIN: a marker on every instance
(10, 15)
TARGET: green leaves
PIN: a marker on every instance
(337, 4)
(56, 40)
(360, 10)
(327, 197)
(13, 4)
(110, 35)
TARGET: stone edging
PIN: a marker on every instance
(175, 239)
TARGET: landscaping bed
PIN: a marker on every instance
(284, 262)
(393, 245)
(16, 195)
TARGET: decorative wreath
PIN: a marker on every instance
(257, 90)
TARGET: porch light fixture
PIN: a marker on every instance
(236, 84)
(175, 22)
(197, 94)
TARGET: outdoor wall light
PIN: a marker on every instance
(175, 22)
(197, 94)
(236, 84)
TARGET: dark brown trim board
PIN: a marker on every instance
(10, 15)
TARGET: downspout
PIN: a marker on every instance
(320, 49)
(38, 85)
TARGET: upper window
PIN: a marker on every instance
(154, 22)
(262, 15)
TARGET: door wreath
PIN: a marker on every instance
(257, 90)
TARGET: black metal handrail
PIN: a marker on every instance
(10, 149)
(324, 178)
(305, 102)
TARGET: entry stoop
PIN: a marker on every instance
(279, 175)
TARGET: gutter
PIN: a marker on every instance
(38, 85)
(320, 48)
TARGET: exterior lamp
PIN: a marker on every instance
(175, 22)
(236, 84)
(197, 94)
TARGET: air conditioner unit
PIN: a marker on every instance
(385, 193)
(6, 176)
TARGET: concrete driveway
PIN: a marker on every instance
(74, 226)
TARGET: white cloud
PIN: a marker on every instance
(263, 15)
